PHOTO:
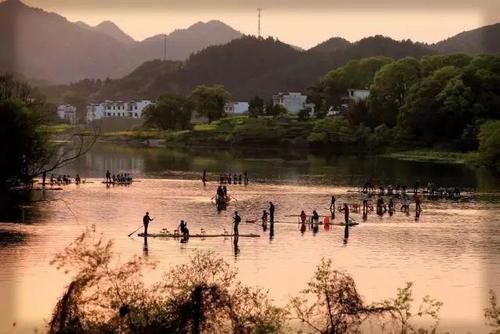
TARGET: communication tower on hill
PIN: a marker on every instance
(258, 23)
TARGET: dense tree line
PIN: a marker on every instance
(174, 111)
(26, 151)
(440, 99)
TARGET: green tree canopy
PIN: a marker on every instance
(432, 63)
(355, 74)
(489, 144)
(390, 87)
(209, 101)
(19, 126)
(171, 111)
(256, 107)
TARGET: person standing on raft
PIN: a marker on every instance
(145, 221)
(346, 218)
(236, 223)
(271, 212)
(184, 229)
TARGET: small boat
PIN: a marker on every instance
(179, 236)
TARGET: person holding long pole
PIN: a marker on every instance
(145, 221)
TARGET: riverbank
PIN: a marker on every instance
(322, 136)
(429, 155)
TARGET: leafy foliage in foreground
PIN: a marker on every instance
(492, 313)
(200, 296)
(205, 296)
(331, 304)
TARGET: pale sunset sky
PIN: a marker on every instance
(302, 23)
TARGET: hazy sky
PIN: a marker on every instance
(303, 23)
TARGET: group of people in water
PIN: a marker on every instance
(118, 178)
(430, 189)
(60, 179)
(221, 198)
(233, 178)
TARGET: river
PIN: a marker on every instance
(451, 252)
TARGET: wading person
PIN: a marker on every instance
(391, 206)
(417, 202)
(332, 204)
(145, 221)
(315, 218)
(303, 217)
(204, 177)
(236, 222)
(366, 197)
(108, 176)
(332, 207)
(271, 212)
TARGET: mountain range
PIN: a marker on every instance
(49, 47)
(43, 45)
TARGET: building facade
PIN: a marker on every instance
(236, 107)
(67, 113)
(357, 94)
(293, 102)
(131, 109)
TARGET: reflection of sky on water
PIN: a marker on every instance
(451, 253)
(279, 166)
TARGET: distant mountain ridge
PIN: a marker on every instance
(481, 40)
(43, 45)
(110, 29)
(332, 44)
(250, 66)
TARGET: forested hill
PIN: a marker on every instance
(250, 66)
(481, 40)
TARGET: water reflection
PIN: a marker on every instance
(145, 249)
(448, 254)
(282, 166)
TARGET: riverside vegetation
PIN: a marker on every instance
(205, 295)
(440, 103)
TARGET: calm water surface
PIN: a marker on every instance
(451, 252)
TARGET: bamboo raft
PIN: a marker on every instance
(179, 236)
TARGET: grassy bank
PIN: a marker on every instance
(57, 129)
(330, 135)
(429, 155)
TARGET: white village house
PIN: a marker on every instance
(130, 109)
(67, 112)
(293, 102)
(236, 107)
(357, 94)
(354, 95)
